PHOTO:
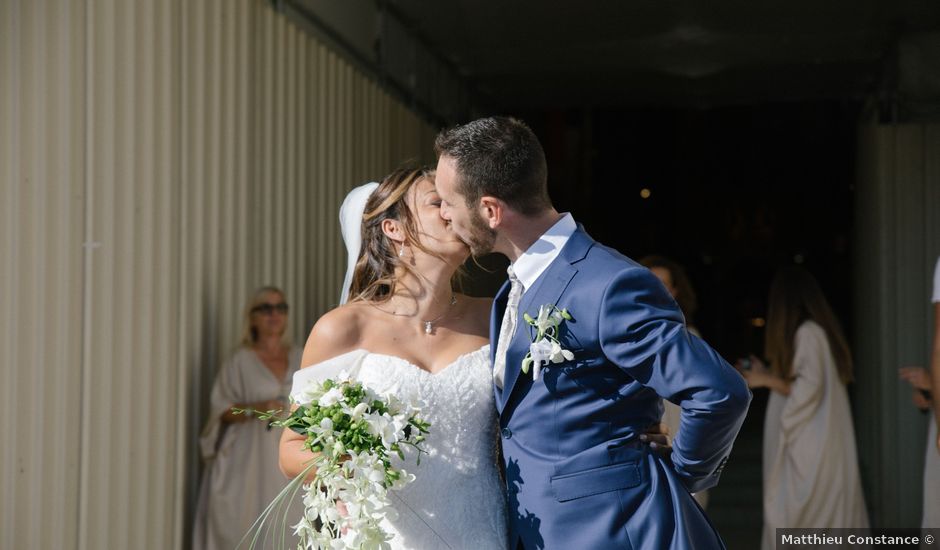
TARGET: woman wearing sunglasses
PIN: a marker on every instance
(241, 454)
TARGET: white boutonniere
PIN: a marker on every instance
(545, 347)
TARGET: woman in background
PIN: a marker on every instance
(811, 477)
(242, 476)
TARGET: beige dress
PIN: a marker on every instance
(811, 477)
(241, 476)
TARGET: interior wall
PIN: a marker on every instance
(158, 160)
(41, 264)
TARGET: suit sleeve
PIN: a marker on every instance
(643, 332)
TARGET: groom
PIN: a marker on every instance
(578, 475)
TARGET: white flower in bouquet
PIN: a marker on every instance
(331, 397)
(353, 432)
(385, 426)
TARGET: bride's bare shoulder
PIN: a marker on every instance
(338, 331)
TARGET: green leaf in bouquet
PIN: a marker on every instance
(296, 421)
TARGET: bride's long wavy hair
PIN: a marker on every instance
(374, 276)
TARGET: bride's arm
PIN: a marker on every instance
(335, 333)
(292, 455)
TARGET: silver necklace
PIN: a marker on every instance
(429, 325)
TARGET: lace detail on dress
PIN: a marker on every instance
(457, 499)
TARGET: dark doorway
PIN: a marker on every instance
(733, 193)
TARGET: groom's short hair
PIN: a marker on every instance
(498, 157)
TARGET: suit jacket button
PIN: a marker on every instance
(507, 433)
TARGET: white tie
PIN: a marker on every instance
(508, 328)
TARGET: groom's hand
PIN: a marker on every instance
(657, 435)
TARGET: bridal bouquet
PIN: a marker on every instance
(354, 432)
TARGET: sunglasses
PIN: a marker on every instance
(269, 309)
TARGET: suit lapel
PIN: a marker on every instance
(548, 289)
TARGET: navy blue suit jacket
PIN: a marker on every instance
(577, 475)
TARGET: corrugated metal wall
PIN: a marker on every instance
(897, 244)
(158, 160)
(41, 215)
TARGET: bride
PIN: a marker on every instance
(405, 329)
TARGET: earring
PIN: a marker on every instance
(401, 252)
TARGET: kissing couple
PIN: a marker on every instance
(560, 377)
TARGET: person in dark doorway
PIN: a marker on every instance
(811, 477)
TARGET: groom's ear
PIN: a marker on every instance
(492, 210)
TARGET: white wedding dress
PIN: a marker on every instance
(457, 499)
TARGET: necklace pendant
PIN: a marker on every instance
(427, 327)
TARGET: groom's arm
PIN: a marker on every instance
(643, 332)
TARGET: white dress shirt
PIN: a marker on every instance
(527, 268)
(536, 259)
